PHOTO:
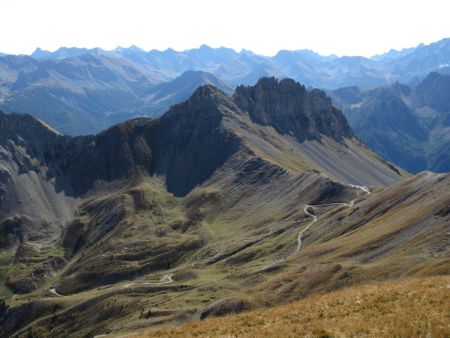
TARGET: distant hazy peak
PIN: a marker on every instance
(431, 77)
(434, 91)
(199, 75)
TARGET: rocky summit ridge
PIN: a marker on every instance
(290, 108)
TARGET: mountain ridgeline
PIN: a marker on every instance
(305, 66)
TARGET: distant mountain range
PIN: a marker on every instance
(82, 91)
(305, 66)
(407, 126)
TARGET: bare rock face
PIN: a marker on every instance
(26, 185)
(290, 108)
(191, 135)
(185, 146)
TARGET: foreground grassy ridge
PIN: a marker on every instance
(418, 307)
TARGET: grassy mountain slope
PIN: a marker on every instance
(382, 236)
(404, 308)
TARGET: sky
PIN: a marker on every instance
(341, 27)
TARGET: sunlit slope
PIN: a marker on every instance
(404, 308)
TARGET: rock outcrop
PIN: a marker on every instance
(290, 108)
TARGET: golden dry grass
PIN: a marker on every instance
(418, 307)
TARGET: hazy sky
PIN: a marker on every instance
(342, 27)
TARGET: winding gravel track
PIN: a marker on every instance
(300, 234)
(314, 217)
(53, 292)
(166, 279)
